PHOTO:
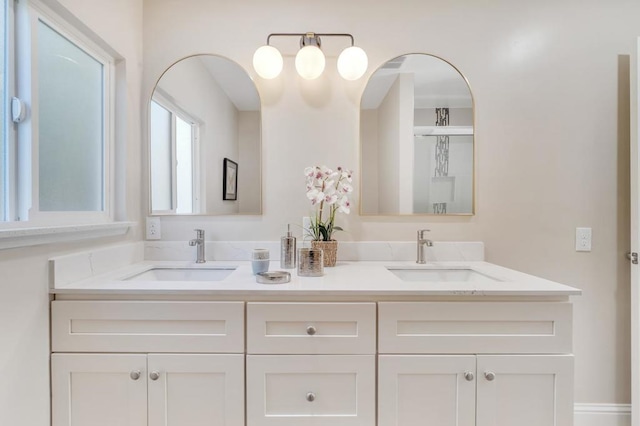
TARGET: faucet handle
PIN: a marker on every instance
(199, 233)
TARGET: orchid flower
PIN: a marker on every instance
(315, 196)
(327, 188)
(345, 205)
(330, 199)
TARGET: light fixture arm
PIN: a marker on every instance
(310, 35)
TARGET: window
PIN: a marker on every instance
(174, 145)
(61, 171)
(3, 109)
(185, 139)
(71, 135)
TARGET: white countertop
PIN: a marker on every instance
(358, 278)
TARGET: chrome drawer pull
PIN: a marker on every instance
(311, 330)
(154, 375)
(311, 396)
(469, 376)
(490, 376)
(135, 375)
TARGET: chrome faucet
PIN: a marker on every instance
(422, 243)
(199, 243)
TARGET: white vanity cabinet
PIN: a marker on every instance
(311, 364)
(200, 383)
(475, 364)
(273, 359)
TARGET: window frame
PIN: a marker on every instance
(8, 207)
(30, 210)
(166, 102)
(28, 16)
(22, 225)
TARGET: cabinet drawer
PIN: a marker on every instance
(311, 328)
(474, 327)
(318, 390)
(96, 326)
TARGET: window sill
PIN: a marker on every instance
(22, 237)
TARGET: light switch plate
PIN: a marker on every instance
(583, 239)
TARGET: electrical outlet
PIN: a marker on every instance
(154, 231)
(583, 239)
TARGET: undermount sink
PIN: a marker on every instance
(182, 274)
(436, 274)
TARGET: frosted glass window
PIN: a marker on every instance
(3, 114)
(161, 158)
(184, 166)
(71, 125)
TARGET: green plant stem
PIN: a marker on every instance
(319, 216)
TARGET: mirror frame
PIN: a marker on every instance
(474, 149)
(147, 155)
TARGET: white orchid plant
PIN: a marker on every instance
(328, 190)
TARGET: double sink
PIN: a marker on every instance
(410, 274)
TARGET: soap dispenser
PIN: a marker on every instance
(288, 250)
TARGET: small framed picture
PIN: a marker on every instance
(230, 180)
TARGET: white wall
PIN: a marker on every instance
(395, 149)
(548, 89)
(24, 305)
(249, 194)
(389, 125)
(369, 160)
(406, 144)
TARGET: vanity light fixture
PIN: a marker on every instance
(352, 62)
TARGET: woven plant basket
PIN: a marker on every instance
(329, 251)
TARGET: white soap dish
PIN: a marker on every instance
(273, 277)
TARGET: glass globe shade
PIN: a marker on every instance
(352, 63)
(310, 62)
(267, 61)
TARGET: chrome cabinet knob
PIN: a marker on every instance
(311, 396)
(469, 376)
(135, 375)
(154, 375)
(311, 330)
(489, 375)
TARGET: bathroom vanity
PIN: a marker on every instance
(369, 343)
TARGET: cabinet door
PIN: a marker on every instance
(522, 390)
(426, 389)
(196, 390)
(98, 390)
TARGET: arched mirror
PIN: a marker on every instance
(205, 139)
(416, 139)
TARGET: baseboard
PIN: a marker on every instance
(602, 415)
